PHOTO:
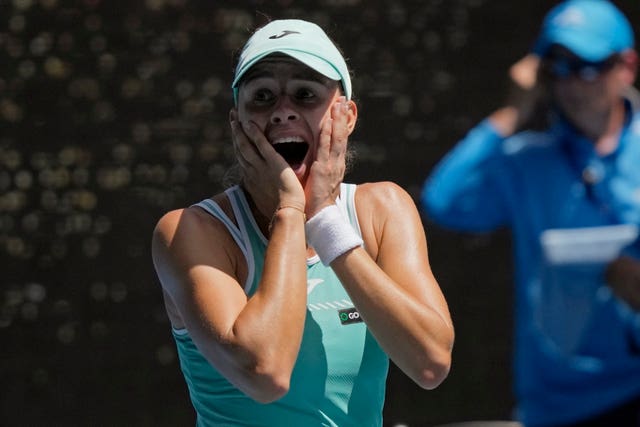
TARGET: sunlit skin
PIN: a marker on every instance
(390, 282)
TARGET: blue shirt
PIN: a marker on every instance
(575, 344)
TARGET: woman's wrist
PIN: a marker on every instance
(280, 211)
(330, 234)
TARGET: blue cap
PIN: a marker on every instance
(591, 29)
(302, 40)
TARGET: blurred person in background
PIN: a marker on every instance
(559, 165)
(289, 292)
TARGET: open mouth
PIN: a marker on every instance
(293, 150)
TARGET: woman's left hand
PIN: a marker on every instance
(327, 171)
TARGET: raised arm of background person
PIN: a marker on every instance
(527, 97)
(392, 285)
(248, 340)
(461, 192)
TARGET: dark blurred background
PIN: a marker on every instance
(113, 112)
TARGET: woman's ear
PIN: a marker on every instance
(352, 115)
(233, 115)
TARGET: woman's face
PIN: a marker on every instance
(289, 102)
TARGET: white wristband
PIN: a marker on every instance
(330, 234)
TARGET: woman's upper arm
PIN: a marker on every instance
(398, 238)
(201, 269)
(196, 264)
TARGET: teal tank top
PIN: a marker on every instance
(340, 375)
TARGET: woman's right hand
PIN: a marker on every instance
(265, 174)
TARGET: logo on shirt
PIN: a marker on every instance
(349, 316)
(312, 283)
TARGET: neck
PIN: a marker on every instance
(261, 220)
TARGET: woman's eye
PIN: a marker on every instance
(263, 96)
(304, 94)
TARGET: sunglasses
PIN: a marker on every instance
(563, 67)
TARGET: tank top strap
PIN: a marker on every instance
(255, 241)
(242, 211)
(347, 205)
(213, 209)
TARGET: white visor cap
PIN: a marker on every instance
(303, 41)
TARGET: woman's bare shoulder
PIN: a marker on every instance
(192, 219)
(381, 195)
(179, 221)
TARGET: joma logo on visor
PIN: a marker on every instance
(349, 315)
(282, 34)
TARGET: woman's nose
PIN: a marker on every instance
(283, 112)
